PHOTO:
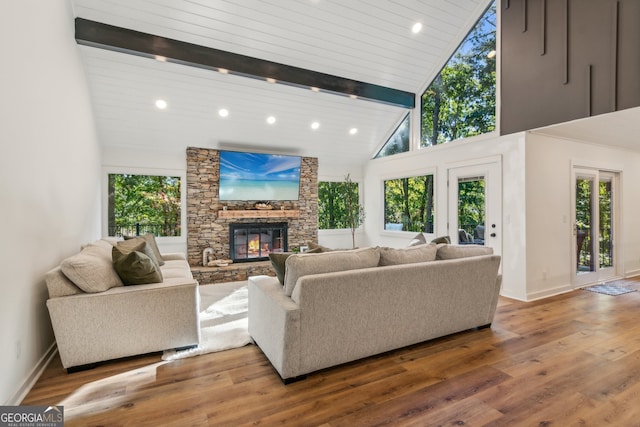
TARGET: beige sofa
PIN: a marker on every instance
(342, 306)
(107, 320)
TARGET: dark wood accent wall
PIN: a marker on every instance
(567, 59)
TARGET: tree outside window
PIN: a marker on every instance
(408, 204)
(140, 204)
(461, 100)
(333, 212)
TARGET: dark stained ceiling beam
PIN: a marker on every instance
(104, 36)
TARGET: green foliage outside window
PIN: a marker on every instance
(461, 100)
(140, 204)
(333, 209)
(408, 204)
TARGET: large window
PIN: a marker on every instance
(140, 204)
(461, 100)
(408, 204)
(332, 209)
(399, 142)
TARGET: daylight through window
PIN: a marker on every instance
(399, 142)
(332, 209)
(140, 204)
(408, 204)
(461, 100)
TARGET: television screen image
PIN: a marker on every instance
(257, 176)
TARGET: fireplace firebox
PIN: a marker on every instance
(255, 241)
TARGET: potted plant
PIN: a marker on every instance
(354, 211)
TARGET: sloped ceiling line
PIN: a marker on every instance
(104, 36)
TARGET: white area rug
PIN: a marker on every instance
(223, 320)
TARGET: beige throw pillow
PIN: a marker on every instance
(410, 255)
(299, 265)
(91, 270)
(461, 251)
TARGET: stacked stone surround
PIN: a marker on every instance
(205, 229)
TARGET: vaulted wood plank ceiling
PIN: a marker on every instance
(366, 41)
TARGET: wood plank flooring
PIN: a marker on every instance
(568, 360)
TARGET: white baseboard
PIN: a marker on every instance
(33, 376)
(632, 273)
(548, 293)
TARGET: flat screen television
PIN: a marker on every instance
(258, 176)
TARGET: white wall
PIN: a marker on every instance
(49, 176)
(437, 160)
(549, 222)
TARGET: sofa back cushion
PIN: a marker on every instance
(299, 265)
(92, 269)
(462, 251)
(412, 254)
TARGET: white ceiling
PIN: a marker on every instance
(369, 41)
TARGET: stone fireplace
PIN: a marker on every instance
(250, 242)
(209, 219)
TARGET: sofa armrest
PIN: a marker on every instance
(274, 324)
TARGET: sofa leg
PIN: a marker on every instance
(291, 380)
(80, 368)
(488, 325)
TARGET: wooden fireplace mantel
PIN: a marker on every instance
(257, 213)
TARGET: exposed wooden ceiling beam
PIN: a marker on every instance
(104, 36)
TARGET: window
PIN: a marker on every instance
(139, 204)
(332, 209)
(399, 140)
(408, 204)
(461, 100)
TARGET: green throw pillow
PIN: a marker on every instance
(151, 243)
(442, 239)
(134, 266)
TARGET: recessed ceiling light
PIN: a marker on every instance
(315, 125)
(353, 131)
(161, 104)
(271, 80)
(417, 27)
(223, 70)
(315, 89)
(352, 96)
(491, 54)
(271, 120)
(223, 112)
(161, 58)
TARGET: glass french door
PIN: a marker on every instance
(475, 208)
(594, 227)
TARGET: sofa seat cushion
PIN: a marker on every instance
(299, 265)
(176, 268)
(92, 269)
(462, 251)
(412, 254)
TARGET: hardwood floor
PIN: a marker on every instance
(568, 360)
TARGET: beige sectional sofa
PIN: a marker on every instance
(337, 307)
(97, 318)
